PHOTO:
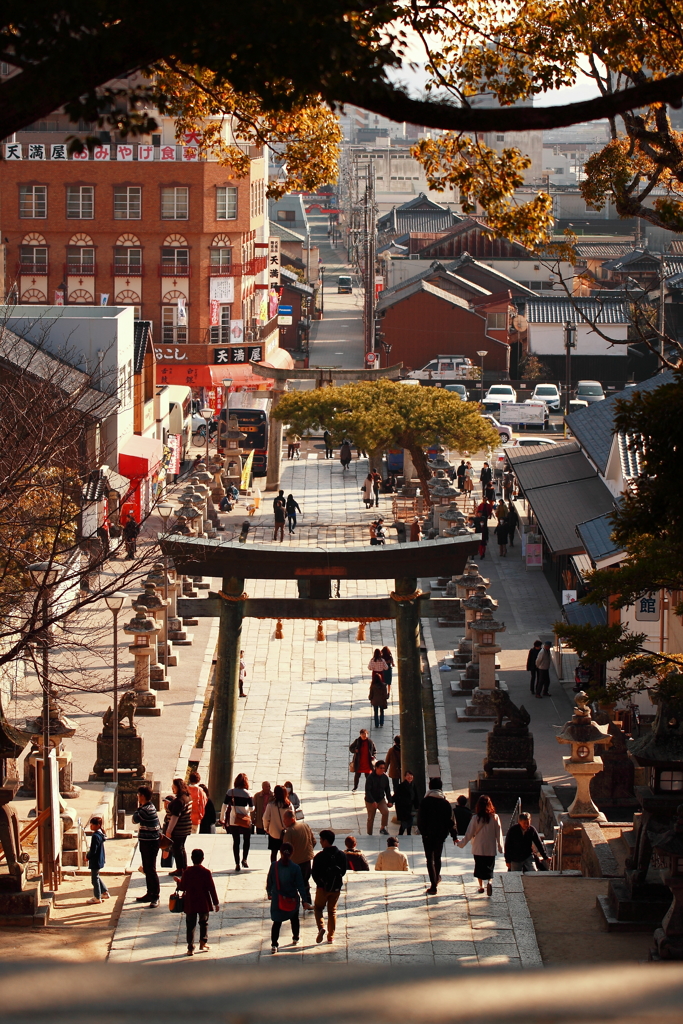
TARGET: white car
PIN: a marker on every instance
(501, 393)
(547, 393)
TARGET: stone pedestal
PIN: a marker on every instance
(151, 603)
(144, 630)
(482, 703)
(583, 735)
(509, 770)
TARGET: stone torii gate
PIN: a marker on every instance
(314, 568)
(323, 377)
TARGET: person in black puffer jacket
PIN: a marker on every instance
(435, 821)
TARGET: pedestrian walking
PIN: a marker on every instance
(435, 822)
(285, 887)
(329, 449)
(513, 522)
(180, 822)
(363, 750)
(293, 798)
(345, 455)
(543, 670)
(198, 797)
(236, 818)
(460, 474)
(377, 663)
(501, 532)
(377, 533)
(484, 832)
(501, 510)
(406, 802)
(485, 477)
(274, 821)
(519, 843)
(490, 493)
(392, 859)
(393, 761)
(388, 657)
(368, 492)
(300, 837)
(355, 858)
(329, 868)
(481, 527)
(149, 834)
(531, 664)
(279, 516)
(376, 483)
(379, 698)
(291, 509)
(508, 484)
(242, 674)
(462, 815)
(378, 797)
(96, 860)
(468, 486)
(200, 899)
(261, 801)
(293, 445)
(130, 535)
(207, 825)
(279, 499)
(361, 452)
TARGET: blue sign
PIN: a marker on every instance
(284, 310)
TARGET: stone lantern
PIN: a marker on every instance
(188, 515)
(583, 734)
(451, 520)
(166, 583)
(466, 585)
(439, 462)
(60, 728)
(484, 648)
(151, 603)
(144, 632)
(668, 849)
(233, 452)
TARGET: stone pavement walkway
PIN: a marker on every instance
(306, 701)
(382, 917)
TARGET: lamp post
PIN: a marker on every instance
(482, 353)
(115, 604)
(207, 414)
(569, 344)
(227, 382)
(165, 511)
(44, 576)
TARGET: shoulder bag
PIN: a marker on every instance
(287, 904)
(176, 902)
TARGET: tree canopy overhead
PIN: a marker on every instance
(381, 414)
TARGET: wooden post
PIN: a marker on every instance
(407, 615)
(226, 689)
(274, 470)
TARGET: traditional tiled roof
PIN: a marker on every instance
(600, 250)
(467, 266)
(387, 299)
(437, 269)
(283, 233)
(399, 220)
(560, 309)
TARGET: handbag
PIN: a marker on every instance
(164, 842)
(299, 814)
(176, 902)
(166, 859)
(287, 904)
(352, 764)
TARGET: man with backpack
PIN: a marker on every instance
(329, 868)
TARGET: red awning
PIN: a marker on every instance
(211, 376)
(140, 456)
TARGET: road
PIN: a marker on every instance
(337, 339)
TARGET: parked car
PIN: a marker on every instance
(577, 403)
(444, 369)
(459, 389)
(590, 391)
(530, 442)
(502, 393)
(504, 432)
(549, 394)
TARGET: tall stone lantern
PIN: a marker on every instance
(485, 647)
(144, 649)
(152, 604)
(584, 735)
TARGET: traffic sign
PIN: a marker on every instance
(370, 357)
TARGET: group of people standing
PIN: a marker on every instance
(507, 522)
(371, 488)
(538, 666)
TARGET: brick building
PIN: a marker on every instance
(150, 226)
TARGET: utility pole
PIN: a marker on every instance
(661, 319)
(569, 344)
(369, 254)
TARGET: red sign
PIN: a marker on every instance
(215, 308)
(174, 443)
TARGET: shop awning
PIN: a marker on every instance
(213, 375)
(140, 456)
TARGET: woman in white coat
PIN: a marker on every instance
(368, 492)
(486, 836)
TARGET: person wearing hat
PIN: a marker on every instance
(543, 670)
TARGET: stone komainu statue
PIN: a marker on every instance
(518, 717)
(126, 710)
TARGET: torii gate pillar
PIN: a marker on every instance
(409, 665)
(226, 689)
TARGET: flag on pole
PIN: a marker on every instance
(246, 471)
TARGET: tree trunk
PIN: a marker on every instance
(422, 469)
(375, 460)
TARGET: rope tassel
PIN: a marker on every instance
(278, 630)
(320, 632)
(360, 635)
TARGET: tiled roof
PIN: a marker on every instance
(599, 250)
(283, 233)
(466, 264)
(560, 309)
(398, 221)
(634, 260)
(422, 202)
(142, 333)
(561, 487)
(676, 246)
(578, 614)
(596, 537)
(593, 426)
(437, 269)
(629, 455)
(387, 299)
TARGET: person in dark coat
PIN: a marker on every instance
(512, 519)
(130, 535)
(485, 477)
(329, 868)
(462, 815)
(345, 455)
(200, 899)
(531, 664)
(355, 858)
(435, 822)
(149, 834)
(329, 445)
(406, 803)
(364, 752)
(291, 509)
(378, 697)
(460, 473)
(519, 844)
(284, 886)
(96, 860)
(378, 797)
(501, 532)
(207, 826)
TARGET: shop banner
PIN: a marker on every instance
(175, 444)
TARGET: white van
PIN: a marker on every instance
(444, 369)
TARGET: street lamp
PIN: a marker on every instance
(207, 414)
(115, 602)
(482, 353)
(227, 383)
(165, 512)
(322, 289)
(44, 576)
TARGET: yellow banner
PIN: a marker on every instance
(246, 471)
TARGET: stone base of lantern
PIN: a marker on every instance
(158, 680)
(622, 911)
(505, 787)
(481, 705)
(469, 679)
(147, 705)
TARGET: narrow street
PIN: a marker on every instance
(337, 339)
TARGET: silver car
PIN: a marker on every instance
(504, 432)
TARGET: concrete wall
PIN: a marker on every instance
(548, 339)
